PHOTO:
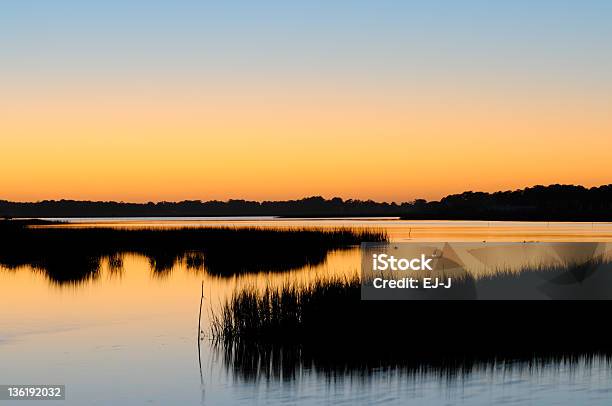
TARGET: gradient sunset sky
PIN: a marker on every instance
(390, 100)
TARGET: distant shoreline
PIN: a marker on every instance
(537, 203)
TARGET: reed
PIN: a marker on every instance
(73, 254)
(324, 324)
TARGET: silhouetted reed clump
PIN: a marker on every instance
(326, 326)
(289, 313)
(69, 254)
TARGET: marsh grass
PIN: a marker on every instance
(71, 255)
(324, 324)
(286, 312)
(299, 310)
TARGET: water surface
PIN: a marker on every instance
(130, 336)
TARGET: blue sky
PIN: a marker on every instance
(458, 40)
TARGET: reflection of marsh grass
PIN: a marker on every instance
(324, 325)
(75, 254)
(115, 263)
(253, 362)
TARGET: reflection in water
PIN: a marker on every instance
(432, 351)
(326, 326)
(131, 339)
(288, 363)
(398, 230)
(581, 380)
(127, 337)
(70, 255)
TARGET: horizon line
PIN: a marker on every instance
(343, 199)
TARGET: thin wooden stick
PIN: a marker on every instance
(200, 332)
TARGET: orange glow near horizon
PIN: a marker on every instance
(206, 142)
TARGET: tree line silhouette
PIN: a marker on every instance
(537, 203)
(544, 203)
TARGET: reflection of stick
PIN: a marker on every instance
(200, 332)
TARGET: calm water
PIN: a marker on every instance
(130, 337)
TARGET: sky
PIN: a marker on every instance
(387, 100)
